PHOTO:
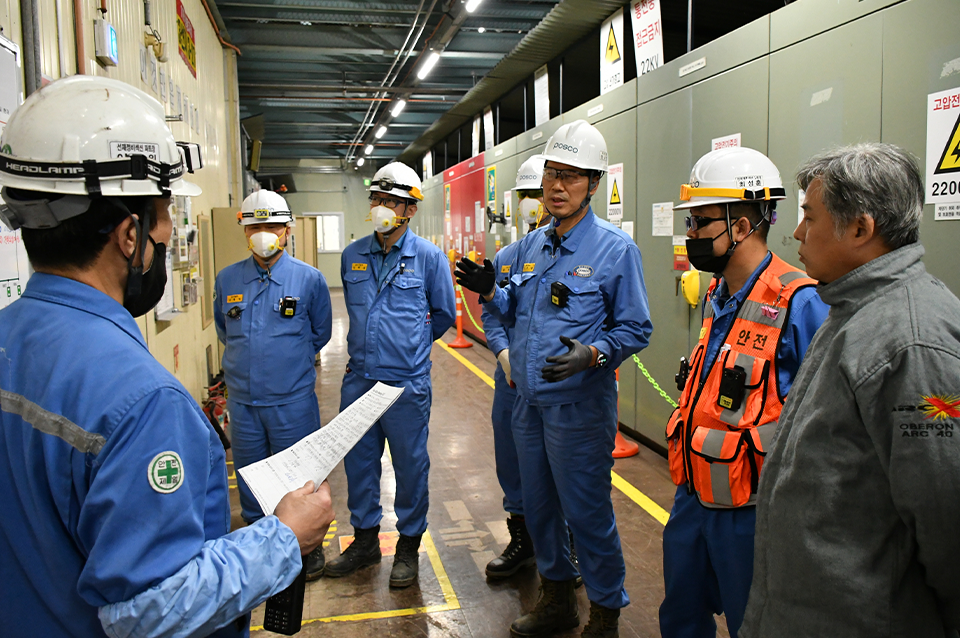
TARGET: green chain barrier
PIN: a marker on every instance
(463, 302)
(656, 386)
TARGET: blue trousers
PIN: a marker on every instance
(504, 447)
(566, 454)
(707, 567)
(405, 425)
(257, 432)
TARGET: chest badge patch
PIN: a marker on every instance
(165, 472)
(940, 407)
(582, 271)
(770, 311)
(234, 298)
(529, 267)
(505, 268)
(359, 267)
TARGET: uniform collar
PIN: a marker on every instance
(572, 239)
(871, 279)
(406, 248)
(73, 294)
(251, 272)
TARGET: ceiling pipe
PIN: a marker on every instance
(216, 29)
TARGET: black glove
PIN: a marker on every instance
(577, 359)
(479, 279)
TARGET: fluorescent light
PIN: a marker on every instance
(380, 132)
(481, 30)
(398, 107)
(472, 5)
(361, 161)
(428, 65)
(368, 149)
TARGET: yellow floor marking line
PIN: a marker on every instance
(472, 368)
(640, 498)
(451, 603)
(619, 482)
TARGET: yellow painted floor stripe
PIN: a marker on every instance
(619, 482)
(472, 368)
(451, 602)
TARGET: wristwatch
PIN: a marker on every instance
(601, 359)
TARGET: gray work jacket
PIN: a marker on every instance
(858, 516)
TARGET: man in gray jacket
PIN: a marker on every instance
(859, 502)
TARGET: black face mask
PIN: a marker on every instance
(152, 284)
(700, 254)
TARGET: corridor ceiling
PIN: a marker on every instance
(325, 74)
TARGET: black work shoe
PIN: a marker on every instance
(314, 561)
(604, 622)
(573, 559)
(518, 553)
(364, 551)
(556, 610)
(406, 562)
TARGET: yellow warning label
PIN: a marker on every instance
(679, 250)
(613, 51)
(529, 267)
(234, 298)
(505, 268)
(359, 267)
(615, 196)
(726, 402)
(950, 160)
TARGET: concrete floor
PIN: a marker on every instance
(467, 525)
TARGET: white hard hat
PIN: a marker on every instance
(578, 144)
(530, 175)
(730, 175)
(264, 207)
(398, 179)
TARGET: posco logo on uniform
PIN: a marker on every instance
(566, 147)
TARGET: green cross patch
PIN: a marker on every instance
(165, 472)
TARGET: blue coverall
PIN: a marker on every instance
(113, 484)
(393, 325)
(504, 447)
(708, 553)
(268, 359)
(565, 430)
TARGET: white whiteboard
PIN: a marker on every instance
(14, 266)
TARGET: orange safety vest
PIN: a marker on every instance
(715, 444)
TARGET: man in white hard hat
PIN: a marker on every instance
(400, 300)
(759, 316)
(115, 505)
(577, 299)
(519, 552)
(273, 315)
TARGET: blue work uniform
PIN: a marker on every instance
(708, 553)
(113, 484)
(504, 396)
(268, 358)
(399, 304)
(565, 431)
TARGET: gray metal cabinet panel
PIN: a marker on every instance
(801, 20)
(824, 91)
(538, 136)
(605, 106)
(507, 166)
(500, 151)
(921, 55)
(747, 43)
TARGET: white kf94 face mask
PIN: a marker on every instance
(383, 219)
(264, 244)
(531, 210)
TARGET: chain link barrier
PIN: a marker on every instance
(656, 386)
(463, 302)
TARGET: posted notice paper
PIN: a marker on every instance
(315, 456)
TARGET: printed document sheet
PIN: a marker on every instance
(315, 456)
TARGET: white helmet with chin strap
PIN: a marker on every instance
(732, 175)
(397, 179)
(530, 175)
(85, 137)
(265, 207)
(578, 144)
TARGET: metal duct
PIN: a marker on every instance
(30, 27)
(565, 25)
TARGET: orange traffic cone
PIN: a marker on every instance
(623, 448)
(460, 341)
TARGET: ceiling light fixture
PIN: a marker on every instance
(398, 107)
(428, 65)
(481, 30)
(361, 161)
(380, 132)
(368, 149)
(472, 5)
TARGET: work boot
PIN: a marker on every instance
(556, 610)
(364, 551)
(603, 622)
(314, 562)
(518, 553)
(573, 559)
(406, 562)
